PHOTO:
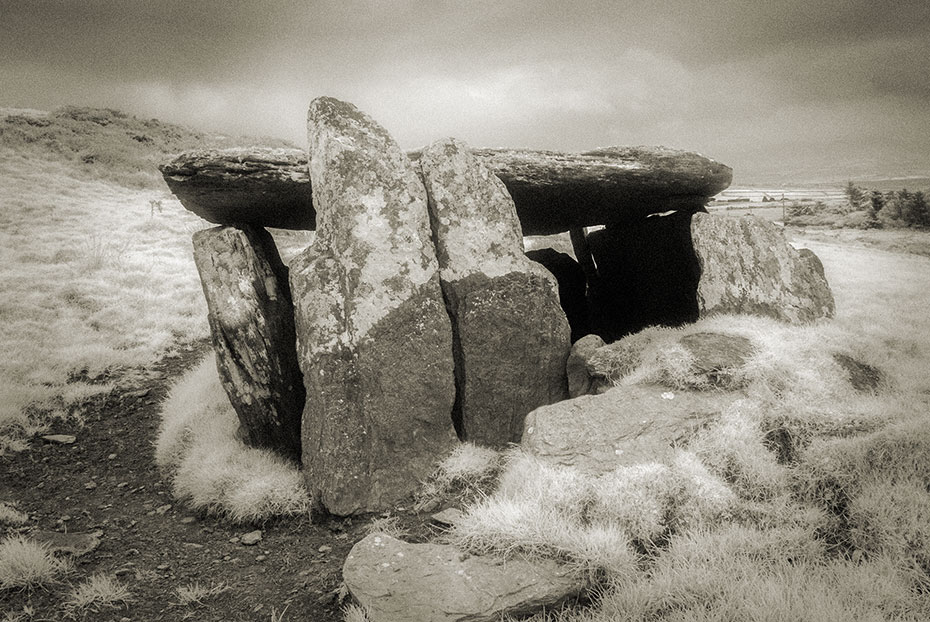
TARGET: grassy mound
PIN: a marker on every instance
(105, 144)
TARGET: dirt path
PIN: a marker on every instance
(107, 481)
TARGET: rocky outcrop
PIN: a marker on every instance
(399, 582)
(252, 327)
(553, 191)
(374, 338)
(511, 335)
(261, 187)
(747, 266)
(624, 426)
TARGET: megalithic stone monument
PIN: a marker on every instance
(511, 335)
(374, 338)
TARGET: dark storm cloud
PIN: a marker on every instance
(753, 84)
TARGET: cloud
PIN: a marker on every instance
(755, 84)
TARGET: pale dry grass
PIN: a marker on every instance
(98, 592)
(10, 515)
(210, 467)
(96, 279)
(816, 496)
(93, 281)
(26, 564)
(194, 593)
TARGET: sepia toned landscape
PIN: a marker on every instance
(434, 312)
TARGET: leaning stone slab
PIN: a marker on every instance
(747, 266)
(252, 328)
(511, 335)
(399, 582)
(261, 187)
(374, 338)
(553, 191)
(624, 426)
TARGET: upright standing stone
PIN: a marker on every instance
(374, 338)
(252, 326)
(747, 266)
(511, 335)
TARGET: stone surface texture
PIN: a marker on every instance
(262, 187)
(747, 266)
(511, 335)
(580, 379)
(374, 338)
(553, 191)
(251, 320)
(623, 426)
(400, 582)
(573, 287)
(717, 359)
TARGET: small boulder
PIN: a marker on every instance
(399, 582)
(716, 359)
(863, 377)
(624, 426)
(747, 266)
(76, 543)
(580, 379)
(511, 335)
(374, 338)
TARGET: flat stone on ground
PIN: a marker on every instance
(400, 582)
(623, 426)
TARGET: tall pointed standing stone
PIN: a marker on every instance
(252, 328)
(511, 335)
(374, 339)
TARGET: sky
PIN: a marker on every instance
(780, 90)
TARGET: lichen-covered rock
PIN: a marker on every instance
(747, 266)
(261, 187)
(252, 328)
(557, 192)
(553, 191)
(511, 335)
(374, 338)
(399, 582)
(624, 426)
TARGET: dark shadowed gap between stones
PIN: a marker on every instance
(646, 274)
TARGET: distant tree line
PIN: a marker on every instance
(902, 207)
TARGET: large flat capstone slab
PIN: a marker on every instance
(553, 192)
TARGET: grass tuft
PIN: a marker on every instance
(213, 470)
(98, 592)
(195, 593)
(26, 564)
(354, 613)
(9, 515)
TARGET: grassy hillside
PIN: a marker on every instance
(95, 259)
(107, 144)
